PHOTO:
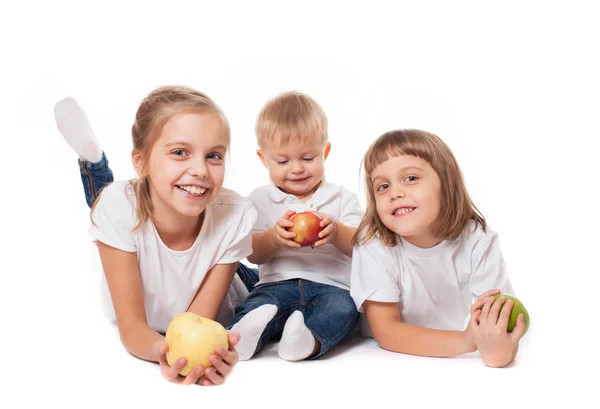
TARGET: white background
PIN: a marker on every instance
(512, 88)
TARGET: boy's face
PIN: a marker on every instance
(296, 168)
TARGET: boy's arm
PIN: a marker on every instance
(342, 240)
(394, 335)
(263, 247)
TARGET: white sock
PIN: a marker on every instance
(297, 342)
(73, 124)
(251, 328)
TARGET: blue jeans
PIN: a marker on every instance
(329, 312)
(96, 176)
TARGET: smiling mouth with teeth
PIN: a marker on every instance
(402, 211)
(192, 190)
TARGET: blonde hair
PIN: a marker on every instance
(291, 116)
(456, 208)
(153, 113)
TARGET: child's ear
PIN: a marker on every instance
(136, 159)
(262, 158)
(327, 149)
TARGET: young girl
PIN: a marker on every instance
(423, 251)
(169, 241)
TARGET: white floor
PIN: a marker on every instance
(67, 353)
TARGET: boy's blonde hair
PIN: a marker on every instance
(291, 116)
(456, 206)
(153, 113)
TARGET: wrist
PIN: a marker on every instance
(272, 237)
(335, 234)
(468, 341)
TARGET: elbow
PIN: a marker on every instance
(252, 258)
(129, 339)
(385, 341)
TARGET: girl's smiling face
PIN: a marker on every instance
(407, 193)
(186, 165)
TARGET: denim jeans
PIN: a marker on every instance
(96, 176)
(329, 312)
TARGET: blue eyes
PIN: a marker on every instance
(382, 187)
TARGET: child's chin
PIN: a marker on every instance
(191, 211)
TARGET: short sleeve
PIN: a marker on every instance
(113, 217)
(373, 276)
(240, 246)
(488, 267)
(258, 198)
(351, 213)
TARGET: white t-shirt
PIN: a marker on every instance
(435, 287)
(171, 278)
(324, 264)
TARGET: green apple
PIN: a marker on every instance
(195, 338)
(517, 308)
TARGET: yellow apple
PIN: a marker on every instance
(195, 338)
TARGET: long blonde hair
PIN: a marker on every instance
(456, 208)
(153, 113)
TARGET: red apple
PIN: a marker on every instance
(307, 226)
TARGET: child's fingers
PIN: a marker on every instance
(172, 372)
(162, 357)
(290, 244)
(213, 376)
(485, 311)
(326, 221)
(474, 320)
(283, 233)
(505, 314)
(220, 365)
(284, 223)
(477, 315)
(478, 304)
(193, 377)
(289, 214)
(234, 338)
(519, 329)
(204, 381)
(321, 243)
(495, 310)
(326, 231)
(230, 356)
(488, 293)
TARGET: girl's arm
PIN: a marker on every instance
(394, 335)
(125, 285)
(208, 300)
